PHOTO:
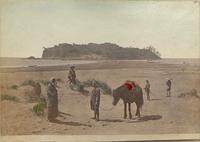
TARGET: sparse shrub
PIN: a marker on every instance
(36, 88)
(31, 97)
(39, 108)
(104, 87)
(15, 87)
(28, 82)
(8, 97)
(79, 86)
(59, 80)
(44, 82)
(192, 93)
(31, 57)
(100, 84)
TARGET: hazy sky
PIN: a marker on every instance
(170, 26)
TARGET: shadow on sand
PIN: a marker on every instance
(134, 120)
(155, 99)
(63, 113)
(146, 118)
(111, 120)
(70, 123)
(84, 92)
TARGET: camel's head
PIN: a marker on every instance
(116, 97)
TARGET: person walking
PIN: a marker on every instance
(95, 101)
(52, 100)
(168, 83)
(147, 89)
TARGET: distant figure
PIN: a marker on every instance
(147, 89)
(95, 101)
(52, 100)
(72, 75)
(168, 83)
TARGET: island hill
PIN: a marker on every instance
(99, 51)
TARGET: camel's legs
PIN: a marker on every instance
(129, 109)
(125, 114)
(138, 110)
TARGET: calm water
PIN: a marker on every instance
(194, 62)
(23, 62)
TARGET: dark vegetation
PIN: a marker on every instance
(35, 96)
(14, 87)
(31, 57)
(80, 86)
(9, 98)
(191, 93)
(99, 51)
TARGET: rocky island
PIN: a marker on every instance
(99, 51)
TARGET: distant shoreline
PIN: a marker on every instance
(25, 62)
(32, 65)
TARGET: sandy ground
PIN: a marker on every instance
(161, 115)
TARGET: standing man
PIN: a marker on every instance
(147, 89)
(95, 101)
(72, 75)
(52, 100)
(168, 83)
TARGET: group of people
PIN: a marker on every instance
(95, 95)
(53, 96)
(147, 88)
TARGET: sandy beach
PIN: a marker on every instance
(161, 115)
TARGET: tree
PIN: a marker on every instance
(153, 50)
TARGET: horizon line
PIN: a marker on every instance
(100, 59)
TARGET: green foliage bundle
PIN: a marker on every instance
(39, 108)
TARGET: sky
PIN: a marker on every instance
(172, 27)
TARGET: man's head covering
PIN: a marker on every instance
(169, 79)
(52, 81)
(72, 66)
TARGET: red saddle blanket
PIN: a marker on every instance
(130, 85)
